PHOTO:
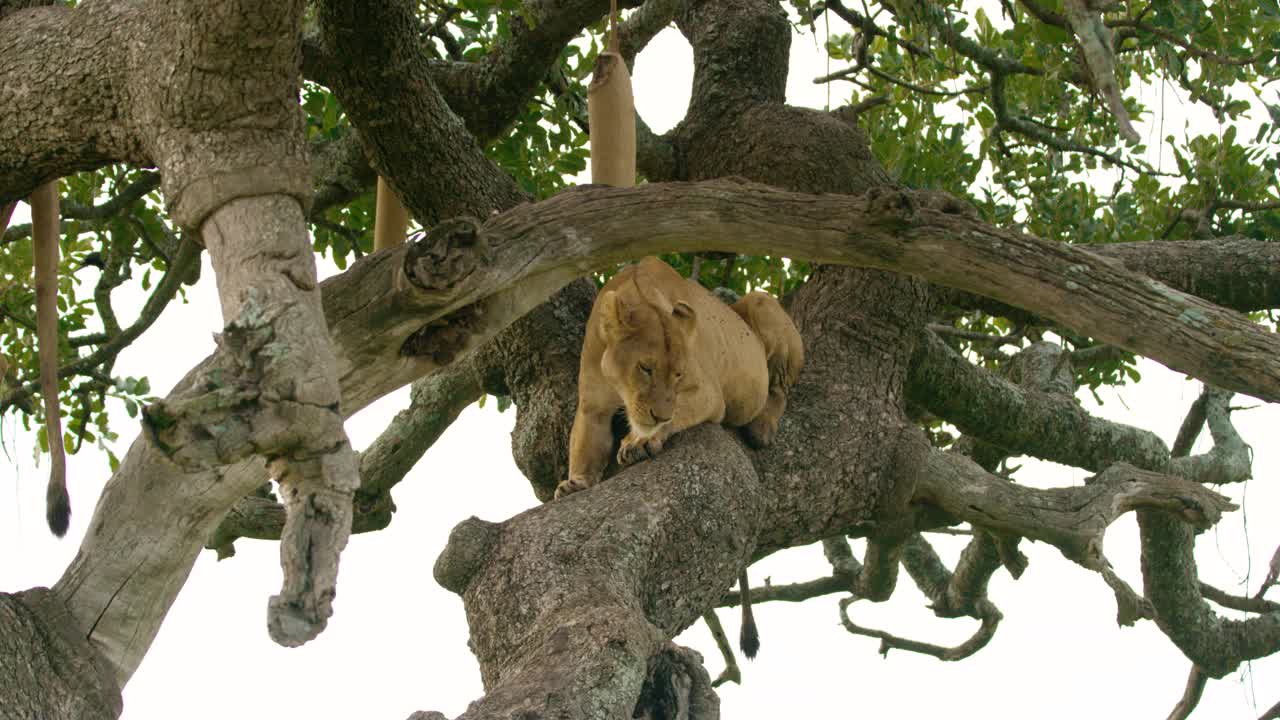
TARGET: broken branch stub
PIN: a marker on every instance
(267, 285)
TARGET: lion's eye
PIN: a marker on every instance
(646, 369)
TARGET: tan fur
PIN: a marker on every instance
(390, 218)
(44, 237)
(705, 361)
(611, 111)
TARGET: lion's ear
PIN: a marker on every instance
(614, 314)
(683, 312)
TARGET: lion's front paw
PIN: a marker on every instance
(570, 486)
(760, 432)
(635, 449)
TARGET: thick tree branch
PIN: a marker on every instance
(63, 80)
(1235, 272)
(1019, 420)
(1215, 645)
(1071, 519)
(593, 646)
(893, 230)
(534, 360)
(384, 37)
(66, 678)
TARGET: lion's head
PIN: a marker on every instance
(647, 340)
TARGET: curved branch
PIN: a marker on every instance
(1047, 425)
(894, 230)
(1230, 459)
(490, 92)
(644, 24)
(1171, 583)
(1215, 644)
(1071, 519)
(987, 612)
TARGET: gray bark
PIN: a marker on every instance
(572, 605)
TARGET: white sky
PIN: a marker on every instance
(398, 642)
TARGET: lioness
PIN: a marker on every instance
(675, 356)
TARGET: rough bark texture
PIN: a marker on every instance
(212, 101)
(385, 34)
(860, 479)
(572, 605)
(58, 63)
(49, 670)
(568, 602)
(1021, 421)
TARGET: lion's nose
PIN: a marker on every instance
(658, 418)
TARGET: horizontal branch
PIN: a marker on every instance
(1235, 272)
(792, 592)
(1051, 426)
(1072, 519)
(1235, 602)
(918, 233)
(62, 73)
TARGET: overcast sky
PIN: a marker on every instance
(398, 642)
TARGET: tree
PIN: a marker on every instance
(937, 224)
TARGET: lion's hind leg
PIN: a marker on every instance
(784, 354)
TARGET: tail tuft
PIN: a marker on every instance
(748, 636)
(749, 640)
(59, 511)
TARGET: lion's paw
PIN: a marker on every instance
(570, 486)
(760, 432)
(635, 449)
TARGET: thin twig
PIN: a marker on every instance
(1196, 680)
(1235, 602)
(990, 621)
(732, 673)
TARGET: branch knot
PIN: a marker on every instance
(467, 549)
(447, 254)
